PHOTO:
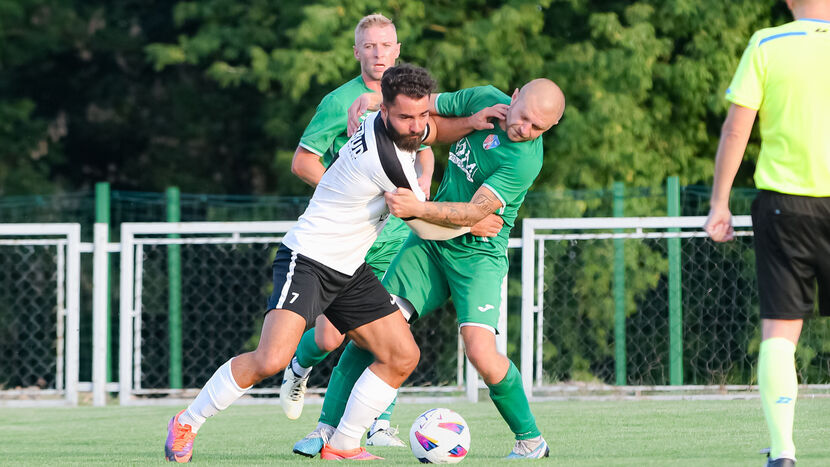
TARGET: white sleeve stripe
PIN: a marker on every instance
(426, 133)
(288, 277)
(438, 96)
(310, 149)
(479, 325)
(495, 192)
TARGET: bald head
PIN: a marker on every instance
(546, 97)
(534, 109)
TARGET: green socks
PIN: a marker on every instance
(307, 353)
(511, 402)
(779, 387)
(387, 414)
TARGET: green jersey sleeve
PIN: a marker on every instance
(468, 101)
(747, 87)
(513, 177)
(327, 123)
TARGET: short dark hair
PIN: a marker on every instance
(411, 81)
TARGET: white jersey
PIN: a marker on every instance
(348, 210)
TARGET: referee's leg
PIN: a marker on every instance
(778, 382)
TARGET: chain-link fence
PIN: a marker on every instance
(31, 341)
(224, 292)
(39, 312)
(578, 344)
(617, 306)
(224, 287)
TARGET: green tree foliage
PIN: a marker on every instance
(644, 80)
(213, 95)
(80, 103)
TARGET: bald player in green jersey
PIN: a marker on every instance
(490, 171)
(376, 48)
(784, 78)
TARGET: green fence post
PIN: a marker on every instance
(675, 304)
(174, 274)
(619, 290)
(102, 215)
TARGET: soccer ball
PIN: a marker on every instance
(439, 436)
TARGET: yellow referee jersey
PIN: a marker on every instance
(784, 74)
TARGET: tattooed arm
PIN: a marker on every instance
(403, 204)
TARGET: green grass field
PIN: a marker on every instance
(581, 433)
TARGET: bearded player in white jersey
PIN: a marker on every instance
(320, 269)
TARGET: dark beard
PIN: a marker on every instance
(408, 143)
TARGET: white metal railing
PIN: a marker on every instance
(67, 239)
(134, 236)
(533, 247)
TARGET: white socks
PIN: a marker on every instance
(220, 391)
(370, 396)
(379, 425)
(300, 371)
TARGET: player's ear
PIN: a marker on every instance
(514, 96)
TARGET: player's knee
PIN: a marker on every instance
(268, 365)
(328, 340)
(407, 357)
(481, 356)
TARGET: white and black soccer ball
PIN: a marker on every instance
(440, 436)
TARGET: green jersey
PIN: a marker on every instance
(326, 134)
(486, 158)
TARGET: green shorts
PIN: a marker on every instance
(380, 255)
(427, 273)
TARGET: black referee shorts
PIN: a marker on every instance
(310, 288)
(792, 254)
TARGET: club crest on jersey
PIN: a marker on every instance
(491, 142)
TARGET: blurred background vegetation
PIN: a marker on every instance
(212, 96)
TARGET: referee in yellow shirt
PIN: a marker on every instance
(784, 77)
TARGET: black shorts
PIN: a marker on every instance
(310, 288)
(792, 254)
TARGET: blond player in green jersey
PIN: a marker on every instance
(784, 78)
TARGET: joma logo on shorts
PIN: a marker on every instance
(486, 307)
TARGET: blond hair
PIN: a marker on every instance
(374, 20)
